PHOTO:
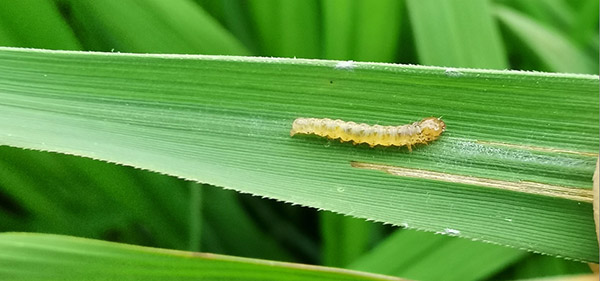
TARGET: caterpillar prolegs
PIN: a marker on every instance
(424, 131)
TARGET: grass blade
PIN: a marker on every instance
(225, 121)
(287, 28)
(414, 255)
(456, 33)
(344, 239)
(552, 47)
(157, 26)
(68, 258)
(35, 24)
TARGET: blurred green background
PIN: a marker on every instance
(51, 193)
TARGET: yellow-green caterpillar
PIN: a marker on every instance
(424, 131)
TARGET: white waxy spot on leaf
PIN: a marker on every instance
(449, 231)
(453, 72)
(345, 65)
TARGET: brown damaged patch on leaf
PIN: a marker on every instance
(570, 193)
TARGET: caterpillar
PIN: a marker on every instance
(424, 131)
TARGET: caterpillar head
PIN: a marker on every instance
(432, 127)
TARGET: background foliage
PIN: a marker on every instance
(50, 193)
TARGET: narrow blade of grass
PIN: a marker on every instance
(338, 26)
(553, 49)
(377, 27)
(538, 266)
(35, 24)
(444, 30)
(287, 28)
(225, 121)
(427, 256)
(155, 26)
(344, 238)
(68, 258)
(195, 216)
(228, 220)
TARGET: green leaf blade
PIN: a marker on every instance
(552, 47)
(456, 33)
(69, 258)
(156, 27)
(35, 24)
(225, 121)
